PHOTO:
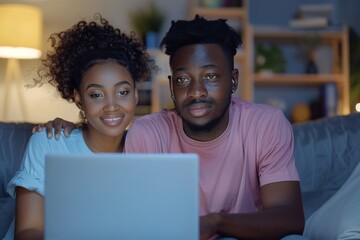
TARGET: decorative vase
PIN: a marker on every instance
(311, 67)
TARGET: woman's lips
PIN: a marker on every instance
(112, 121)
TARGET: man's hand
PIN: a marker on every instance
(57, 124)
(281, 215)
(208, 226)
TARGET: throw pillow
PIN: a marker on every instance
(339, 217)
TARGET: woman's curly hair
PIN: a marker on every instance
(85, 44)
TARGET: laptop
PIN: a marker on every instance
(122, 196)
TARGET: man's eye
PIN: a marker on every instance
(123, 92)
(182, 81)
(210, 77)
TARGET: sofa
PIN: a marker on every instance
(326, 152)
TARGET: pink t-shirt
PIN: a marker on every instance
(255, 149)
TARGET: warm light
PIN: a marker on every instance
(357, 107)
(20, 31)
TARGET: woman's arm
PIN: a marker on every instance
(29, 220)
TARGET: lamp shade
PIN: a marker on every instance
(20, 31)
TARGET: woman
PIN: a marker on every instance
(95, 66)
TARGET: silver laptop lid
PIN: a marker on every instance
(122, 196)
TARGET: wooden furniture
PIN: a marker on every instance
(335, 38)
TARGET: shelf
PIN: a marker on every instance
(223, 12)
(297, 79)
(271, 32)
(335, 37)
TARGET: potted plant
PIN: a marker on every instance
(147, 23)
(269, 59)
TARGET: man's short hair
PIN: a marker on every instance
(201, 31)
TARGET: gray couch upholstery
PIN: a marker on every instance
(326, 152)
(13, 141)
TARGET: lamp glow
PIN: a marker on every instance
(357, 107)
(20, 31)
(20, 38)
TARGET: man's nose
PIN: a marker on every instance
(197, 90)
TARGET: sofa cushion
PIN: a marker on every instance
(326, 151)
(339, 217)
(14, 138)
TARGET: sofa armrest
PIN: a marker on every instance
(13, 141)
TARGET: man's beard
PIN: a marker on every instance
(207, 127)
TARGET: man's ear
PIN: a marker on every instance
(77, 99)
(136, 96)
(234, 80)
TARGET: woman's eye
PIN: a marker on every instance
(96, 95)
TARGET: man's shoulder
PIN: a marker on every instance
(250, 107)
(258, 116)
(151, 132)
(165, 115)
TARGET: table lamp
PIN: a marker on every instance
(20, 38)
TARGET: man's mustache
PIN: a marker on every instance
(203, 101)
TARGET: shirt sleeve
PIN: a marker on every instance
(31, 172)
(276, 161)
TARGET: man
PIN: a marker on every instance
(249, 186)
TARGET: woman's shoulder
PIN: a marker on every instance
(42, 137)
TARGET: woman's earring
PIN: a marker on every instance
(82, 116)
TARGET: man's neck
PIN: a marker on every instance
(209, 132)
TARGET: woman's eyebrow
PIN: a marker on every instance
(96, 85)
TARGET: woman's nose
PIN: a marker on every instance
(111, 104)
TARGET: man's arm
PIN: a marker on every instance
(282, 215)
(29, 220)
(57, 124)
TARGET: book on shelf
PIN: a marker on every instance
(313, 22)
(312, 16)
(330, 97)
(318, 8)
